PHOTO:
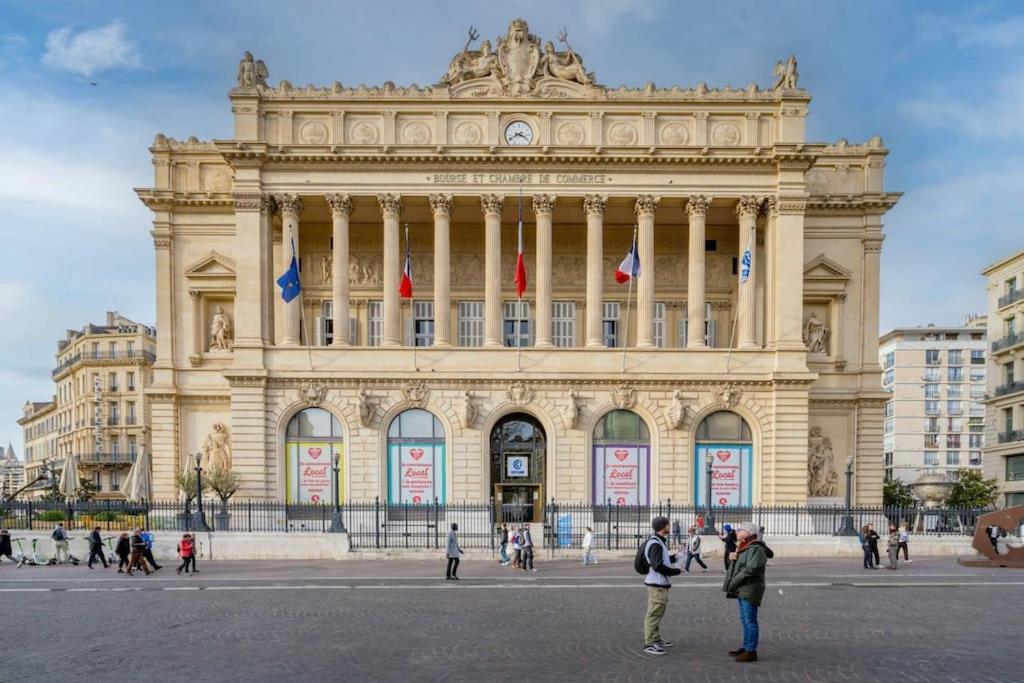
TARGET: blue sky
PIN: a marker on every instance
(942, 82)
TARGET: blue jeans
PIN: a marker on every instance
(502, 554)
(748, 617)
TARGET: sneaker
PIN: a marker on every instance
(736, 653)
(534, 571)
(654, 649)
(664, 643)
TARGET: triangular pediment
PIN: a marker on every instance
(823, 268)
(212, 265)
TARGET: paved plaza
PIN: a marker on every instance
(389, 620)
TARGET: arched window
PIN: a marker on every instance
(416, 467)
(622, 459)
(312, 440)
(724, 440)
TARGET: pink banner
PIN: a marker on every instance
(417, 474)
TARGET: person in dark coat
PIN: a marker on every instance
(96, 549)
(5, 546)
(452, 550)
(728, 537)
(873, 542)
(147, 537)
(138, 556)
(123, 550)
(744, 581)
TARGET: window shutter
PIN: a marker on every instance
(353, 331)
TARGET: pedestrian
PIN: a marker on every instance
(728, 537)
(517, 548)
(865, 545)
(892, 546)
(588, 546)
(123, 549)
(658, 583)
(904, 541)
(60, 543)
(138, 556)
(147, 537)
(693, 551)
(186, 551)
(503, 550)
(994, 532)
(527, 549)
(699, 523)
(96, 549)
(873, 542)
(453, 551)
(5, 546)
(677, 534)
(745, 582)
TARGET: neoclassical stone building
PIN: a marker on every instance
(616, 391)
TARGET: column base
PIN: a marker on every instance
(595, 345)
(493, 344)
(340, 343)
(289, 342)
(390, 343)
(543, 344)
(749, 345)
(696, 345)
(646, 345)
(441, 345)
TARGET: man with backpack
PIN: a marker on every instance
(61, 553)
(653, 559)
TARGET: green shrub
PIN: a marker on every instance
(106, 516)
(51, 516)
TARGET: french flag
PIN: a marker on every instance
(630, 266)
(520, 277)
(405, 286)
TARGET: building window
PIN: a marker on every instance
(1008, 374)
(888, 459)
(610, 324)
(133, 446)
(710, 327)
(1015, 468)
(952, 441)
(1009, 326)
(516, 322)
(976, 440)
(931, 357)
(129, 412)
(130, 381)
(955, 357)
(1007, 419)
(955, 424)
(659, 324)
(416, 456)
(977, 357)
(931, 440)
(130, 348)
(621, 459)
(974, 458)
(931, 459)
(563, 323)
(889, 425)
(471, 323)
(890, 375)
(112, 381)
(952, 458)
(953, 391)
(890, 359)
(954, 407)
(889, 408)
(956, 374)
(931, 390)
(375, 322)
(977, 374)
(977, 410)
(932, 375)
(977, 392)
(115, 480)
(325, 324)
(313, 438)
(97, 481)
(115, 447)
(423, 323)
(931, 424)
(931, 407)
(113, 413)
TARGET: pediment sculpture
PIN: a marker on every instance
(517, 67)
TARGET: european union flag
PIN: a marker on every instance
(289, 282)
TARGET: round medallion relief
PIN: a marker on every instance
(622, 134)
(570, 134)
(313, 133)
(675, 134)
(467, 133)
(725, 134)
(364, 133)
(416, 133)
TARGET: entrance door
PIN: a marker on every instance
(518, 448)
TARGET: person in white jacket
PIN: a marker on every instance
(693, 551)
(588, 544)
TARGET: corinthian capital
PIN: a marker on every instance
(594, 204)
(390, 204)
(543, 204)
(698, 205)
(646, 204)
(748, 206)
(441, 204)
(491, 203)
(340, 203)
(289, 203)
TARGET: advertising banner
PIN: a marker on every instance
(621, 474)
(731, 474)
(416, 473)
(310, 467)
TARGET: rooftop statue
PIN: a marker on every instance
(786, 75)
(252, 72)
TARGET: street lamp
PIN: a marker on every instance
(199, 521)
(337, 525)
(848, 528)
(709, 517)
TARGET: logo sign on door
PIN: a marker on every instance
(517, 466)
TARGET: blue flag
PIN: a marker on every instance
(289, 282)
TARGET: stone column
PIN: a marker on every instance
(593, 207)
(789, 274)
(872, 242)
(645, 207)
(291, 208)
(746, 300)
(697, 210)
(441, 205)
(543, 206)
(341, 211)
(391, 208)
(491, 204)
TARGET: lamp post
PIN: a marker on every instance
(709, 517)
(848, 528)
(199, 521)
(337, 525)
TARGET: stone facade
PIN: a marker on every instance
(353, 179)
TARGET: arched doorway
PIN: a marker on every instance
(621, 460)
(724, 438)
(416, 458)
(518, 454)
(313, 438)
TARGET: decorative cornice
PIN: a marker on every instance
(646, 204)
(791, 207)
(543, 204)
(441, 204)
(340, 204)
(697, 205)
(491, 204)
(390, 204)
(162, 241)
(593, 204)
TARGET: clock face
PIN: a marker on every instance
(518, 133)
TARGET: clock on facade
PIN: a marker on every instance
(518, 133)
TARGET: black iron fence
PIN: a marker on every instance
(554, 525)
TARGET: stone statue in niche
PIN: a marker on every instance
(217, 449)
(325, 269)
(816, 334)
(821, 475)
(786, 75)
(252, 72)
(366, 408)
(220, 331)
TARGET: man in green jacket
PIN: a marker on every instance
(745, 582)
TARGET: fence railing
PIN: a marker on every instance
(555, 525)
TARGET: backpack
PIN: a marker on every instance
(57, 535)
(641, 563)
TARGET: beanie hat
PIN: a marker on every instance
(659, 523)
(749, 527)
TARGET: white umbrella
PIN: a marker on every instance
(138, 485)
(69, 477)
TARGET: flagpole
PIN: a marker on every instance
(302, 313)
(743, 287)
(519, 304)
(412, 319)
(629, 299)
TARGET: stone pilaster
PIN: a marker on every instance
(391, 208)
(697, 210)
(491, 204)
(441, 205)
(341, 211)
(543, 207)
(645, 207)
(593, 206)
(789, 274)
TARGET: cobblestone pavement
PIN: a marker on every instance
(823, 620)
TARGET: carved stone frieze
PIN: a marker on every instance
(415, 394)
(624, 397)
(519, 394)
(313, 394)
(727, 395)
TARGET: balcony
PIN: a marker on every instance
(130, 420)
(1010, 297)
(106, 458)
(1010, 388)
(1007, 342)
(99, 357)
(1010, 436)
(112, 421)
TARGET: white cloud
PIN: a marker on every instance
(91, 51)
(995, 115)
